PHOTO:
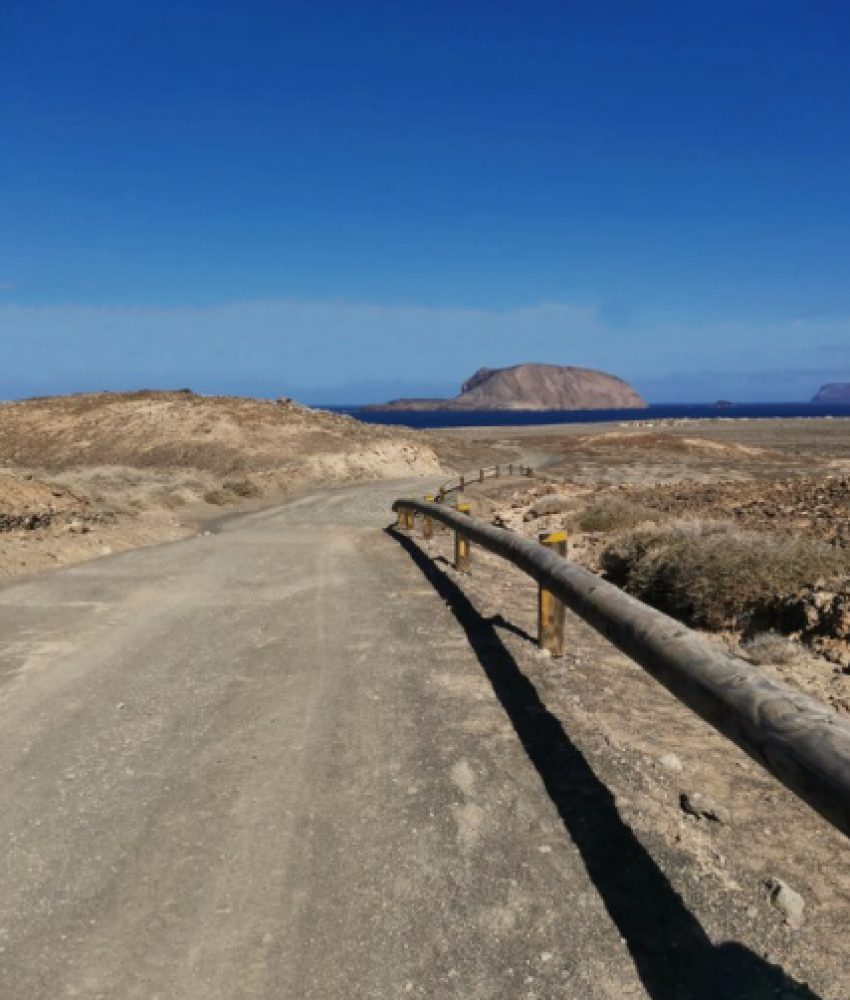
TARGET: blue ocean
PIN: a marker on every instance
(422, 419)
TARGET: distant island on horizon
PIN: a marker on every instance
(531, 387)
(833, 392)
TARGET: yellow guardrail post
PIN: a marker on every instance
(405, 518)
(427, 522)
(550, 611)
(462, 543)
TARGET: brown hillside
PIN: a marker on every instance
(533, 387)
(547, 387)
(221, 435)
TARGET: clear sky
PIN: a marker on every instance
(345, 201)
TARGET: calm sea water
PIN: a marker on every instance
(517, 418)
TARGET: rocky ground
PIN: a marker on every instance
(815, 505)
(785, 479)
(740, 850)
(752, 864)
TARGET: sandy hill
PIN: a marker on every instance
(533, 387)
(84, 476)
(221, 435)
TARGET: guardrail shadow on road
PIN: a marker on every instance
(673, 955)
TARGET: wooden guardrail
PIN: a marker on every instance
(491, 472)
(797, 739)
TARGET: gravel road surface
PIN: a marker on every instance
(267, 763)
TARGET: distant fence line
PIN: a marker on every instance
(800, 741)
(491, 472)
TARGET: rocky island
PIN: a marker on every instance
(833, 392)
(532, 387)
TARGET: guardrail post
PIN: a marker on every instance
(480, 475)
(462, 543)
(550, 611)
(498, 472)
(510, 470)
(462, 483)
(427, 523)
(405, 518)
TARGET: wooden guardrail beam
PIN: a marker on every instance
(799, 740)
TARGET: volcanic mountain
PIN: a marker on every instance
(833, 392)
(532, 387)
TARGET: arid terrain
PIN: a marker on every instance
(87, 475)
(761, 508)
(639, 848)
(721, 829)
(741, 529)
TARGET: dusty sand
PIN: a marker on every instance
(85, 476)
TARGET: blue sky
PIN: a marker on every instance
(347, 201)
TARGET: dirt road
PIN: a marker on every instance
(268, 763)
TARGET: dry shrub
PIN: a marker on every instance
(713, 574)
(242, 488)
(771, 648)
(219, 497)
(616, 514)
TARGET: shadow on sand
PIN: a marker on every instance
(672, 953)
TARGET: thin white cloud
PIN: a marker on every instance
(294, 344)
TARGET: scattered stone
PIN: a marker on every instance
(819, 616)
(671, 762)
(788, 901)
(703, 807)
